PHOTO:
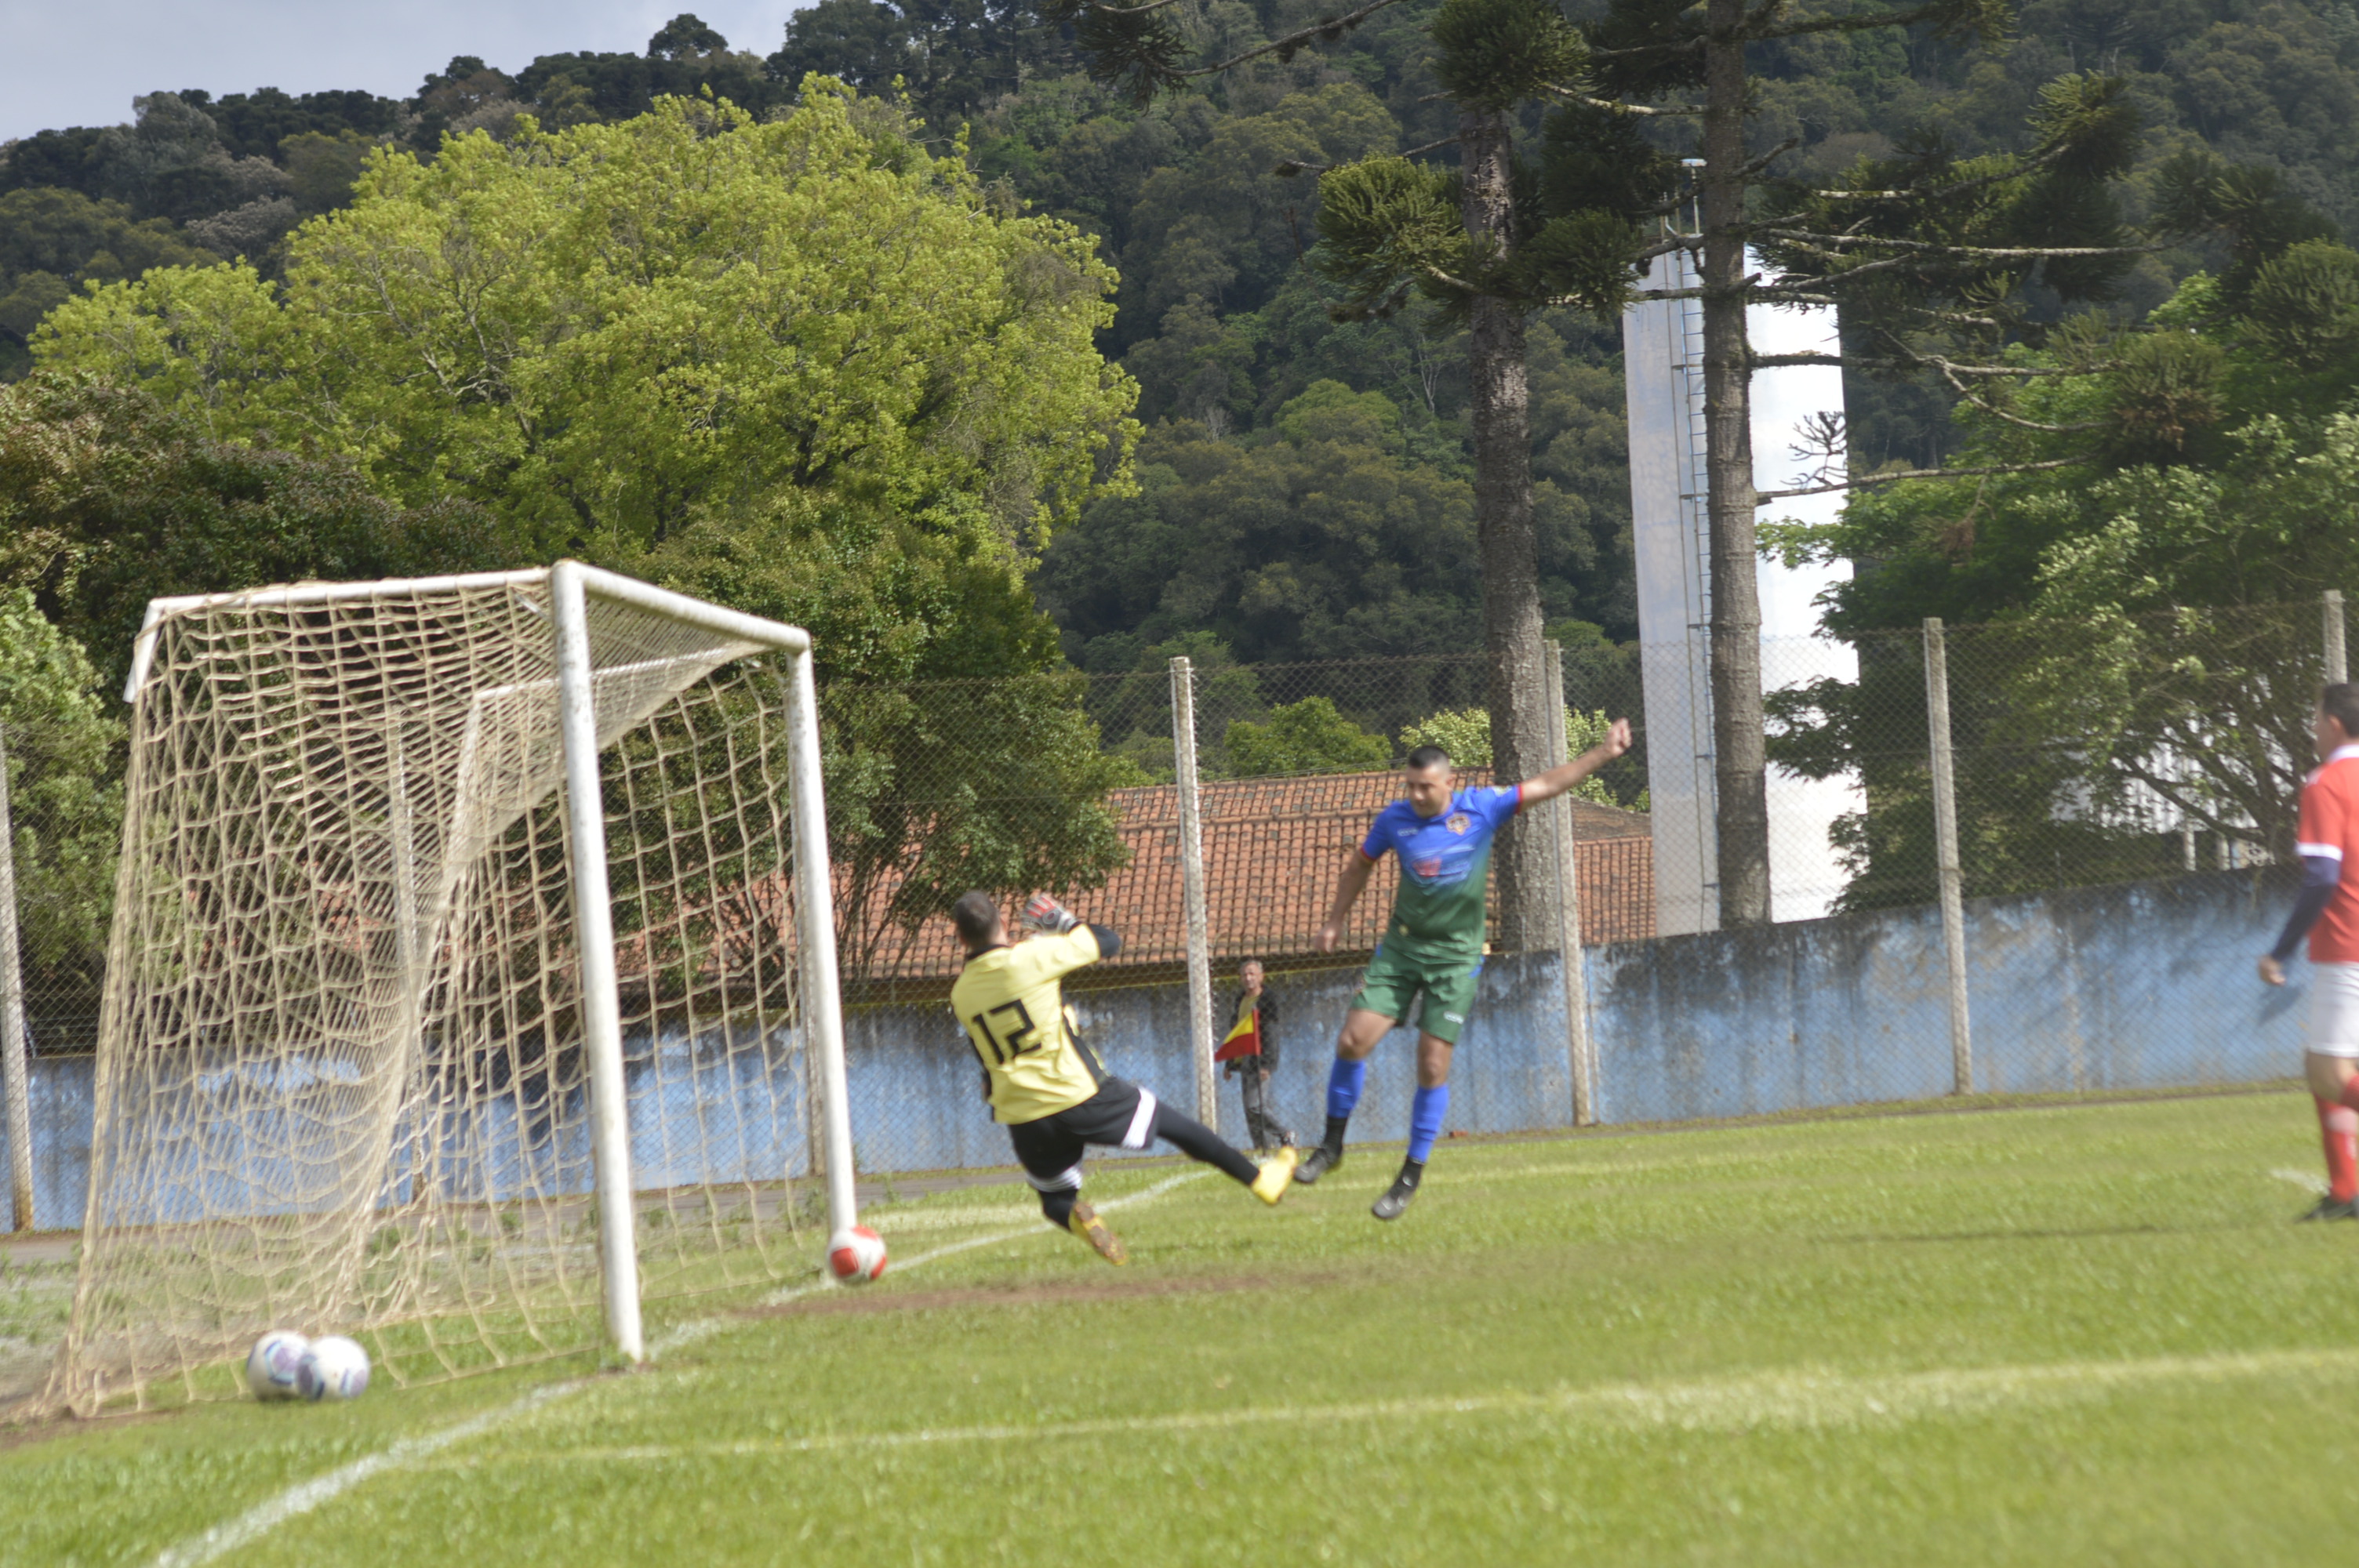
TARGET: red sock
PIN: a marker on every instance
(2339, 1127)
(2350, 1097)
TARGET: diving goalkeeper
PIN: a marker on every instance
(1048, 1089)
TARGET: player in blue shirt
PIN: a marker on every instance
(1433, 945)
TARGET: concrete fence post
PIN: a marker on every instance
(1191, 886)
(1579, 1049)
(1945, 845)
(15, 1075)
(2338, 666)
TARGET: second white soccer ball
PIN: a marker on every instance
(272, 1365)
(334, 1367)
(856, 1255)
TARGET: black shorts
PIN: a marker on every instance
(1121, 1115)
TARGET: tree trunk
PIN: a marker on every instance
(1740, 761)
(1503, 514)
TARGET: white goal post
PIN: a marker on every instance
(571, 584)
(444, 903)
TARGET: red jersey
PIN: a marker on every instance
(2330, 830)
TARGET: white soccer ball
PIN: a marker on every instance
(272, 1365)
(334, 1368)
(856, 1255)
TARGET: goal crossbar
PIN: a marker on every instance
(621, 589)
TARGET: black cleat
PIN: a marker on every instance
(1321, 1161)
(1396, 1198)
(2332, 1208)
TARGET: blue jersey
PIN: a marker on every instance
(1445, 863)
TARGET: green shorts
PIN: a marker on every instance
(1394, 979)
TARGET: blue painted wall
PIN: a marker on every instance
(61, 1108)
(2146, 985)
(2143, 985)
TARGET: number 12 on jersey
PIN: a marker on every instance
(1020, 1034)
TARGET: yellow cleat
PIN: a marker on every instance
(1085, 1223)
(1276, 1176)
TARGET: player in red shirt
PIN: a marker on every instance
(2328, 913)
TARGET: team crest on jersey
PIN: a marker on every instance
(1460, 822)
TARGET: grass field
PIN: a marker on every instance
(2075, 1333)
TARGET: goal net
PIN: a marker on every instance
(407, 1037)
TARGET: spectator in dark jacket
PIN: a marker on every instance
(1263, 1129)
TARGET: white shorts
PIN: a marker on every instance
(2334, 1009)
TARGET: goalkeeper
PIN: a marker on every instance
(1051, 1092)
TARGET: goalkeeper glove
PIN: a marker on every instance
(1045, 913)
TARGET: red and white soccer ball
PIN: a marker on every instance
(271, 1367)
(334, 1368)
(856, 1255)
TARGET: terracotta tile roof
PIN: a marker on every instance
(1272, 850)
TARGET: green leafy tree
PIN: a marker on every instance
(959, 753)
(1465, 734)
(261, 122)
(2219, 486)
(170, 163)
(108, 500)
(1306, 737)
(1218, 229)
(934, 789)
(600, 334)
(1321, 539)
(685, 59)
(54, 240)
(321, 169)
(951, 57)
(1131, 699)
(64, 748)
(2177, 642)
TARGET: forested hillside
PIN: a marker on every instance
(1303, 486)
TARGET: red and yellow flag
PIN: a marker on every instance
(1244, 1040)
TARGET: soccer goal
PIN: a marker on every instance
(472, 980)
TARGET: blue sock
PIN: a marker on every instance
(1344, 1080)
(1425, 1114)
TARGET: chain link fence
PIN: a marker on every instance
(64, 819)
(2083, 753)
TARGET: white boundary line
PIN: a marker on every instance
(1774, 1399)
(304, 1497)
(2302, 1179)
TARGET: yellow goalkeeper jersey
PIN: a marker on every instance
(1013, 1010)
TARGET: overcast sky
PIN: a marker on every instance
(81, 63)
